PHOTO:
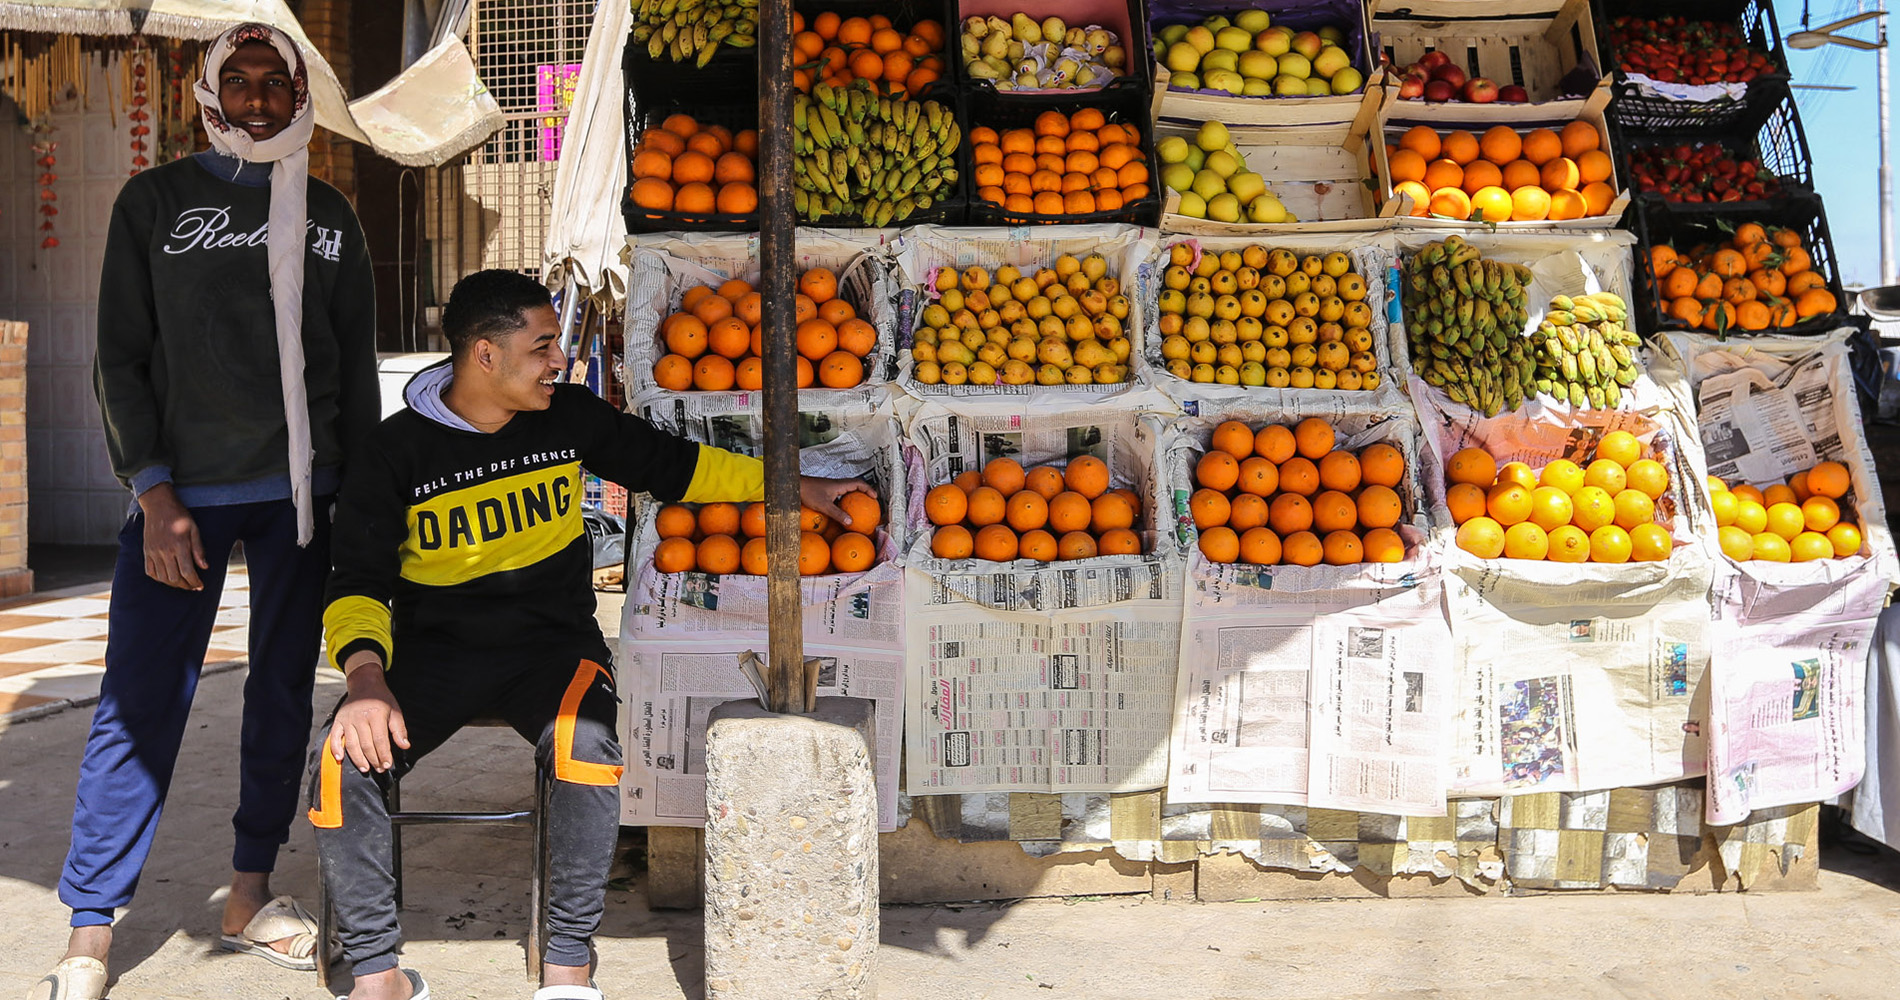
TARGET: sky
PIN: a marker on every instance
(1841, 127)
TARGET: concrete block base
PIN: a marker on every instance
(791, 853)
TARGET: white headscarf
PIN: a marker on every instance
(288, 153)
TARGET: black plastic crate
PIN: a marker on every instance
(1138, 75)
(1656, 223)
(1000, 112)
(951, 203)
(903, 14)
(1759, 31)
(642, 116)
(730, 78)
(1779, 143)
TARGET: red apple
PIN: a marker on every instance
(1450, 74)
(1480, 90)
(1411, 85)
(1440, 91)
(1432, 60)
(1511, 93)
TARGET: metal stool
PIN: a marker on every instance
(534, 817)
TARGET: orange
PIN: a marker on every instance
(1045, 480)
(1288, 513)
(996, 543)
(1451, 203)
(952, 541)
(1845, 538)
(1737, 544)
(811, 520)
(987, 506)
(676, 521)
(1246, 511)
(1525, 540)
(1508, 503)
(1560, 174)
(1649, 476)
(1303, 548)
(1421, 139)
(681, 125)
(752, 520)
(673, 372)
(1746, 492)
(713, 373)
(1406, 165)
(729, 337)
(660, 140)
(1087, 475)
(1440, 174)
(1542, 146)
(1501, 144)
(1052, 122)
(1209, 508)
(1026, 510)
(862, 508)
(1569, 544)
(1520, 174)
(653, 194)
(719, 519)
(814, 554)
(733, 168)
(1343, 549)
(1593, 166)
(1466, 502)
(946, 504)
(1234, 438)
(1379, 507)
(1494, 203)
(1275, 443)
(1339, 470)
(1610, 544)
(816, 339)
(1820, 513)
(718, 554)
(1809, 546)
(1220, 544)
(1650, 543)
(1259, 547)
(752, 556)
(1119, 542)
(1076, 545)
(856, 336)
(1579, 137)
(1460, 147)
(1482, 537)
(1786, 520)
(734, 290)
(852, 552)
(653, 163)
(1314, 438)
(693, 167)
(1474, 466)
(1829, 479)
(1334, 511)
(1004, 475)
(695, 198)
(836, 311)
(711, 308)
(1620, 447)
(674, 555)
(1421, 197)
(1381, 545)
(1770, 547)
(1069, 511)
(1567, 205)
(1633, 507)
(1592, 508)
(1799, 484)
(1259, 477)
(1519, 473)
(1299, 475)
(1779, 493)
(1550, 508)
(686, 335)
(1606, 475)
(1481, 175)
(1381, 465)
(1036, 544)
(1597, 198)
(818, 285)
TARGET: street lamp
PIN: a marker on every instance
(1827, 35)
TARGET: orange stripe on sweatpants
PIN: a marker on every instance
(566, 768)
(329, 812)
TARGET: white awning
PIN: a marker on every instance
(586, 232)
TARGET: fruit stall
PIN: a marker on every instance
(1315, 445)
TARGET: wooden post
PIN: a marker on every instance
(784, 666)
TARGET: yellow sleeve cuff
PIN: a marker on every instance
(724, 476)
(353, 619)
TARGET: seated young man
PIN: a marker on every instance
(463, 589)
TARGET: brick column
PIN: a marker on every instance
(332, 157)
(15, 577)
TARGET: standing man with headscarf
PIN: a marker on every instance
(236, 372)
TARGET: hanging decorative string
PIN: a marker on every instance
(44, 147)
(140, 116)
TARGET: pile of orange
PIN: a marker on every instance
(1759, 279)
(1046, 513)
(838, 50)
(1796, 521)
(1603, 511)
(1064, 165)
(715, 343)
(1502, 175)
(722, 538)
(1287, 495)
(685, 167)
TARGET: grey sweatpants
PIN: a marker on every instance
(564, 706)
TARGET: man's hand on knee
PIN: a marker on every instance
(369, 720)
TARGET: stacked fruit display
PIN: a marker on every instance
(840, 50)
(1214, 181)
(1288, 495)
(1248, 55)
(1063, 165)
(1060, 325)
(683, 167)
(1260, 317)
(1046, 513)
(714, 342)
(1435, 78)
(1504, 175)
(1701, 172)
(1603, 511)
(1024, 53)
(1465, 318)
(722, 538)
(694, 30)
(1761, 278)
(876, 158)
(1677, 49)
(1796, 521)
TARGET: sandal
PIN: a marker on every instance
(588, 992)
(418, 990)
(78, 978)
(280, 919)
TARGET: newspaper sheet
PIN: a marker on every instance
(1068, 701)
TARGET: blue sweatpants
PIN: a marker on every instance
(155, 648)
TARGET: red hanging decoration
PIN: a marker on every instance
(43, 148)
(139, 115)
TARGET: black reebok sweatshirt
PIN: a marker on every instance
(186, 371)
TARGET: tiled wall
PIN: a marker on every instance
(73, 497)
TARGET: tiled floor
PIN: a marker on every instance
(52, 651)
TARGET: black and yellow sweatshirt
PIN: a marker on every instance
(451, 538)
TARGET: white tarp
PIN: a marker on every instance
(586, 232)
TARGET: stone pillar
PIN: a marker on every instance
(15, 577)
(791, 853)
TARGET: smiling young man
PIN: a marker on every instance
(463, 589)
(235, 371)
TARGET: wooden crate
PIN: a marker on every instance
(1323, 174)
(1200, 106)
(1509, 41)
(1397, 116)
